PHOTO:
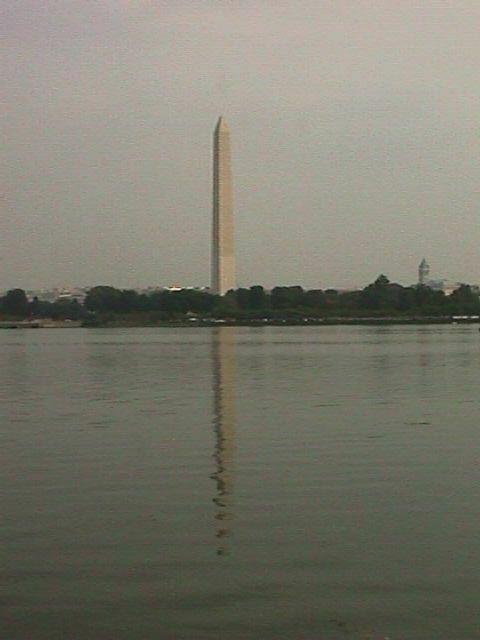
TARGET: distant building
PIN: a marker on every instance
(54, 295)
(423, 272)
(175, 288)
(437, 285)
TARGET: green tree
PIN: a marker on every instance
(102, 299)
(34, 307)
(464, 301)
(15, 303)
(257, 298)
(287, 297)
(315, 299)
(331, 299)
(376, 295)
(127, 301)
(429, 301)
(243, 298)
(66, 310)
(225, 306)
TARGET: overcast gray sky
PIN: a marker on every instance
(354, 128)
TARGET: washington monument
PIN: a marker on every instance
(223, 258)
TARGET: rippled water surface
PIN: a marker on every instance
(292, 483)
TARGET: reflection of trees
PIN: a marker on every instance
(223, 357)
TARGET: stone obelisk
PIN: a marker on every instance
(223, 258)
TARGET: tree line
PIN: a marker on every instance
(381, 298)
(15, 304)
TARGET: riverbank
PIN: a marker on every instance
(111, 323)
(281, 322)
(40, 324)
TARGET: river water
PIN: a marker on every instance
(291, 483)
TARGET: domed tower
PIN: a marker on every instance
(423, 272)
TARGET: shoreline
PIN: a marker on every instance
(286, 322)
(221, 322)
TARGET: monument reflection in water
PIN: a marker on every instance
(223, 358)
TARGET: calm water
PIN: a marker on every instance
(299, 483)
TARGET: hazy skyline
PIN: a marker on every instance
(354, 132)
